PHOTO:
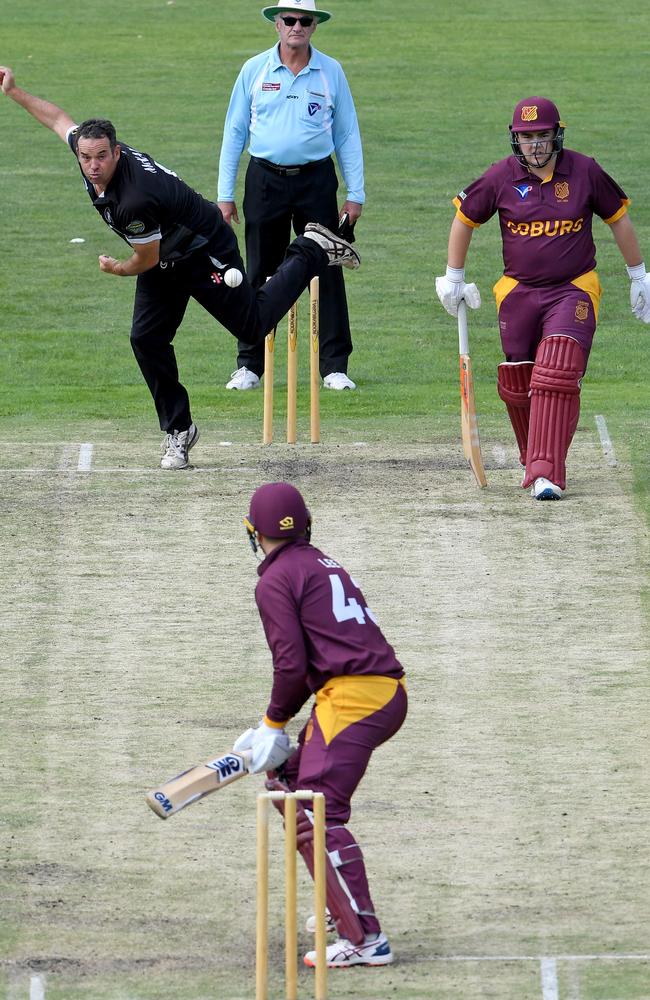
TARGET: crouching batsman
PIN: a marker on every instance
(325, 643)
(547, 300)
(181, 248)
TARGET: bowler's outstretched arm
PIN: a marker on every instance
(45, 112)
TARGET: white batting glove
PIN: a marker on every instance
(640, 292)
(269, 746)
(451, 288)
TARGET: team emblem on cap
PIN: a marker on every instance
(286, 524)
(529, 113)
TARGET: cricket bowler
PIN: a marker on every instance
(181, 248)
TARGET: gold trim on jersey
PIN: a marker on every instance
(503, 287)
(590, 283)
(618, 215)
(463, 218)
(342, 701)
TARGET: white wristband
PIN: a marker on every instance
(635, 273)
(456, 274)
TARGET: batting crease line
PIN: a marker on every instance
(37, 988)
(548, 969)
(605, 440)
(85, 457)
(535, 958)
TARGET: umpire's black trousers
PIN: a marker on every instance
(272, 202)
(162, 295)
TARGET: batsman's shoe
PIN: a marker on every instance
(338, 380)
(176, 446)
(544, 489)
(330, 926)
(243, 379)
(340, 253)
(343, 954)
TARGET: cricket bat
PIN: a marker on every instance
(468, 420)
(194, 784)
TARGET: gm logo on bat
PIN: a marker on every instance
(164, 801)
(227, 766)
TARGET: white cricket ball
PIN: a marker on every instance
(233, 277)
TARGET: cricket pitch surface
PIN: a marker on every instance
(505, 828)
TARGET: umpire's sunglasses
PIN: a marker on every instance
(304, 22)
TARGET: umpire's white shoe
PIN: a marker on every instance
(176, 446)
(340, 253)
(342, 954)
(338, 380)
(243, 379)
(544, 489)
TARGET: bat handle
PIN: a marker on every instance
(463, 336)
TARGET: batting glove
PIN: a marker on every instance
(640, 292)
(451, 288)
(269, 747)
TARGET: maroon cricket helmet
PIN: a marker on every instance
(278, 510)
(535, 114)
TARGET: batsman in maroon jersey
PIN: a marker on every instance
(548, 298)
(325, 645)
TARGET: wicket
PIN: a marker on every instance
(320, 892)
(292, 372)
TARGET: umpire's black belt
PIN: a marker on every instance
(288, 171)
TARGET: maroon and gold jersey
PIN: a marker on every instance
(318, 627)
(545, 225)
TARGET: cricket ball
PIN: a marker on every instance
(233, 277)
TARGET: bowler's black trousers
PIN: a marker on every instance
(162, 295)
(272, 202)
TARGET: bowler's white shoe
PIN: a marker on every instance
(339, 252)
(544, 489)
(342, 954)
(243, 379)
(338, 380)
(176, 446)
(330, 926)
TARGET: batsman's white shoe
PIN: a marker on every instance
(176, 446)
(339, 251)
(343, 954)
(338, 380)
(243, 379)
(544, 489)
(330, 926)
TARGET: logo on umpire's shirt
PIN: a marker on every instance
(313, 107)
(135, 228)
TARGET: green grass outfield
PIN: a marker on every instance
(102, 656)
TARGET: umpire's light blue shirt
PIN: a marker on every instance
(291, 120)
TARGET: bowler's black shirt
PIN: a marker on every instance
(145, 201)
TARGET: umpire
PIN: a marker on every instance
(293, 105)
(181, 249)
